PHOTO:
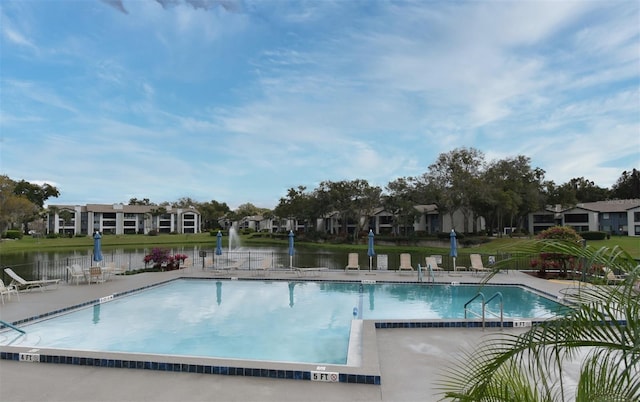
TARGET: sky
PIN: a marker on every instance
(239, 100)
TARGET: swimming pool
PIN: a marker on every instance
(302, 322)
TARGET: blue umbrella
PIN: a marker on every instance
(370, 251)
(97, 253)
(219, 243)
(453, 250)
(291, 250)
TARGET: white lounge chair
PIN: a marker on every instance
(232, 265)
(353, 264)
(264, 267)
(21, 283)
(8, 290)
(405, 263)
(76, 273)
(476, 263)
(431, 261)
(611, 277)
(317, 271)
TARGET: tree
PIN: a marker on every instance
(400, 202)
(454, 175)
(144, 201)
(211, 212)
(602, 331)
(627, 186)
(351, 199)
(37, 195)
(154, 213)
(247, 209)
(511, 190)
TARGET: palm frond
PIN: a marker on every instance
(604, 321)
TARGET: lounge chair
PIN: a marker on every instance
(8, 290)
(233, 265)
(76, 273)
(611, 277)
(476, 263)
(353, 263)
(405, 263)
(431, 261)
(317, 271)
(264, 267)
(21, 283)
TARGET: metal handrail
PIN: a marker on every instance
(480, 294)
(484, 307)
(498, 294)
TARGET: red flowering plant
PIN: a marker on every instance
(557, 261)
(161, 257)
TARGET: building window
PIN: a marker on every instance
(576, 218)
(605, 215)
(386, 220)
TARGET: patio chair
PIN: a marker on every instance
(96, 275)
(353, 264)
(76, 273)
(431, 261)
(476, 263)
(8, 290)
(405, 263)
(21, 283)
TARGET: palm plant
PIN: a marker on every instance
(590, 354)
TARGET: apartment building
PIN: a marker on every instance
(121, 219)
(616, 217)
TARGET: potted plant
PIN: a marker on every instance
(158, 257)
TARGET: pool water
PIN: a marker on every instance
(305, 322)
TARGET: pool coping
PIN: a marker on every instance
(367, 372)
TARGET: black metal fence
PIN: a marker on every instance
(254, 259)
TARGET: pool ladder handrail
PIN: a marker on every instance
(484, 307)
(6, 324)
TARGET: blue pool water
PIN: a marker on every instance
(307, 322)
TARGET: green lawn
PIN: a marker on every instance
(629, 244)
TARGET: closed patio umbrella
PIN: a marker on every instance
(219, 243)
(291, 250)
(453, 249)
(97, 245)
(370, 251)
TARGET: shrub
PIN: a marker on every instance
(593, 235)
(13, 234)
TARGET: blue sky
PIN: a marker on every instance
(237, 101)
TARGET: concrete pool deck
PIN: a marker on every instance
(410, 359)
